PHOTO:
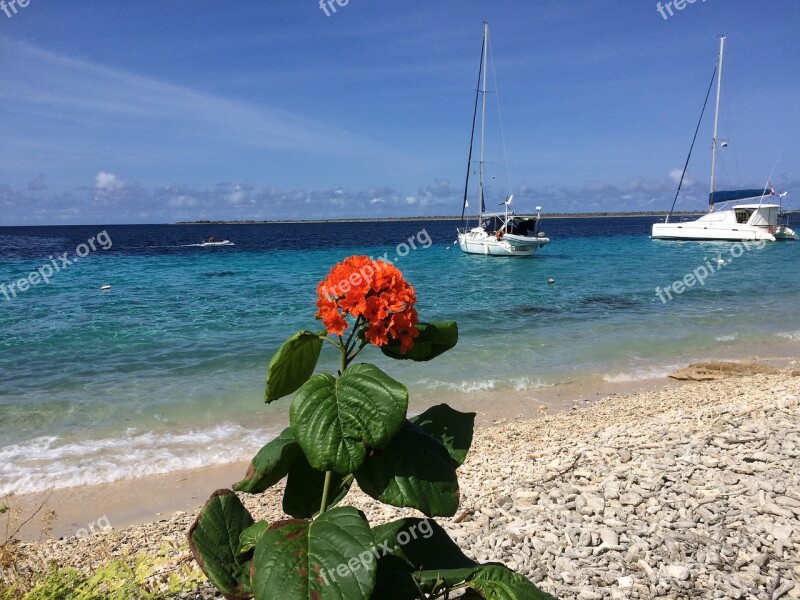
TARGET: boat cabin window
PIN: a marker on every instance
(526, 227)
(492, 224)
(516, 226)
(743, 216)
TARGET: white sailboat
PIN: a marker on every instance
(499, 233)
(755, 219)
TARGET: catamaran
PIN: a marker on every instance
(755, 219)
(499, 233)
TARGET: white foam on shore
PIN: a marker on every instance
(790, 335)
(45, 463)
(644, 375)
(474, 387)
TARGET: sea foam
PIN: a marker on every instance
(49, 462)
(790, 335)
(642, 375)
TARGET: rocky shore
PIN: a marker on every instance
(686, 492)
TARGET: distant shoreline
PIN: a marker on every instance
(436, 218)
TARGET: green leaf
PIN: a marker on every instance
(496, 582)
(452, 428)
(271, 464)
(418, 552)
(489, 581)
(434, 339)
(331, 557)
(250, 536)
(303, 495)
(414, 470)
(337, 421)
(433, 578)
(292, 365)
(412, 544)
(214, 541)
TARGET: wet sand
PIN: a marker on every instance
(136, 501)
(686, 491)
(79, 510)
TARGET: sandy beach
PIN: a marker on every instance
(81, 510)
(689, 490)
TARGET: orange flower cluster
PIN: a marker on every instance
(375, 291)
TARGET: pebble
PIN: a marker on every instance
(682, 493)
(679, 572)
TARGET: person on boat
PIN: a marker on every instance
(212, 239)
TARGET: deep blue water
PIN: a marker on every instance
(166, 369)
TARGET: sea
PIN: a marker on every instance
(165, 370)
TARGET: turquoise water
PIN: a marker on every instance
(166, 370)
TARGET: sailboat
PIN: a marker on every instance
(755, 219)
(498, 233)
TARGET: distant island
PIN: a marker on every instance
(437, 218)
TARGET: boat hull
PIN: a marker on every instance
(694, 231)
(745, 222)
(489, 245)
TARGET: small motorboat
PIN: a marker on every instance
(213, 242)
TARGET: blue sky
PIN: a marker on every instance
(160, 110)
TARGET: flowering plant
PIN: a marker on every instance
(376, 295)
(352, 428)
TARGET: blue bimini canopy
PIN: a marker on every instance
(733, 195)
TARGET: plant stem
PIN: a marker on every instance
(344, 348)
(353, 332)
(352, 340)
(447, 591)
(329, 340)
(325, 490)
(359, 349)
(344, 359)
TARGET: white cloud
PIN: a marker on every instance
(107, 182)
(239, 195)
(675, 175)
(128, 202)
(42, 86)
(183, 201)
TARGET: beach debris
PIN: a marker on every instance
(713, 371)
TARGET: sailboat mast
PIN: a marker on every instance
(483, 119)
(716, 122)
(472, 135)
